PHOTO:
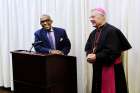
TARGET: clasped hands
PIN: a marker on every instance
(91, 58)
(57, 52)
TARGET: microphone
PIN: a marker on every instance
(35, 44)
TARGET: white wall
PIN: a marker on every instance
(20, 18)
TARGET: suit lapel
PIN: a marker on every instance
(56, 34)
(45, 38)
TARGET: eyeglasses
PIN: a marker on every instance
(47, 20)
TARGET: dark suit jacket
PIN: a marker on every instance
(62, 42)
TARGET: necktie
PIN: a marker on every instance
(51, 40)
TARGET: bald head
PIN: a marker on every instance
(45, 17)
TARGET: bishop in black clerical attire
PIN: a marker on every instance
(104, 47)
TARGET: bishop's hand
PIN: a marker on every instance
(91, 58)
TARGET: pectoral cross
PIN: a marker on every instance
(94, 50)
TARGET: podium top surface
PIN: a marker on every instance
(25, 52)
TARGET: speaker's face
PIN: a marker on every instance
(46, 22)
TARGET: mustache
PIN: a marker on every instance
(46, 25)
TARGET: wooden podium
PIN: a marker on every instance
(42, 73)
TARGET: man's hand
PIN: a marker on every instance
(58, 52)
(91, 58)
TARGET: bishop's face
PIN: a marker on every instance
(96, 19)
(46, 22)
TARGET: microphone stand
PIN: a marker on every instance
(35, 44)
(31, 48)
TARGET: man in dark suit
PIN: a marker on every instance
(54, 39)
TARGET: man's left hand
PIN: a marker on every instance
(58, 52)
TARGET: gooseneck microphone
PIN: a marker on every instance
(35, 44)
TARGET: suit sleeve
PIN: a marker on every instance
(67, 44)
(40, 48)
